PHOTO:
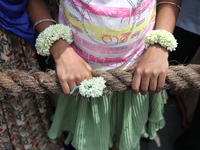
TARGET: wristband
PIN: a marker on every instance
(161, 37)
(50, 35)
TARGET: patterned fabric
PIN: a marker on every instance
(24, 118)
(108, 34)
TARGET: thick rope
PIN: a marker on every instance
(15, 81)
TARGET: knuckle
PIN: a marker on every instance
(138, 71)
(61, 79)
(152, 89)
(87, 74)
(155, 74)
(135, 90)
(147, 73)
(77, 77)
(143, 91)
(163, 72)
(70, 78)
(159, 88)
(66, 92)
(89, 68)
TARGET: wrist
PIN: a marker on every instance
(162, 37)
(61, 49)
(50, 35)
(158, 51)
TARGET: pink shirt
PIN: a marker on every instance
(108, 34)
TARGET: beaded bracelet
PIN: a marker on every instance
(50, 35)
(161, 37)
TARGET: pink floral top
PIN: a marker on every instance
(108, 34)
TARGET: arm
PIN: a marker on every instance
(151, 68)
(71, 69)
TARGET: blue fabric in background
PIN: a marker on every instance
(14, 18)
(189, 16)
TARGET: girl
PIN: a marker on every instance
(107, 34)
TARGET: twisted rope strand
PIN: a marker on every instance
(15, 81)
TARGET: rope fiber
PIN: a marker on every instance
(16, 81)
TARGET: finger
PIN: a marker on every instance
(72, 85)
(153, 84)
(144, 84)
(136, 83)
(88, 67)
(161, 83)
(65, 88)
(88, 76)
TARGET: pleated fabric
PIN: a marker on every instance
(121, 117)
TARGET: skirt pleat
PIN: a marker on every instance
(121, 118)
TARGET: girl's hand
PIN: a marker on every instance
(150, 70)
(71, 69)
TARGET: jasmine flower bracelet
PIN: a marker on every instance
(50, 35)
(161, 37)
(91, 88)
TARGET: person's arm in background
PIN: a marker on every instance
(151, 68)
(71, 69)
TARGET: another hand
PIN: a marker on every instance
(150, 70)
(71, 69)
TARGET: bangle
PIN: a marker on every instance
(50, 35)
(40, 21)
(171, 3)
(161, 37)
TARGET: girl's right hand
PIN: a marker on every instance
(71, 69)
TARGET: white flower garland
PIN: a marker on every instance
(93, 87)
(161, 37)
(51, 34)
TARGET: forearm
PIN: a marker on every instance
(151, 68)
(167, 15)
(38, 10)
(71, 69)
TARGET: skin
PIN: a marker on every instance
(71, 69)
(150, 69)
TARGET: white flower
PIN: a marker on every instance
(161, 37)
(50, 35)
(93, 87)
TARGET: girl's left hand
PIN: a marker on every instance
(150, 70)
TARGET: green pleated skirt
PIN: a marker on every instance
(122, 117)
